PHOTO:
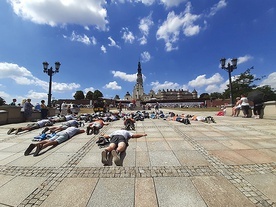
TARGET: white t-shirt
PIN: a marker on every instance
(69, 117)
(244, 101)
(42, 122)
(71, 131)
(72, 123)
(127, 135)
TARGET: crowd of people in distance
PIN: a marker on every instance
(115, 143)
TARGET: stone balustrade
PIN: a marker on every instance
(13, 114)
(268, 112)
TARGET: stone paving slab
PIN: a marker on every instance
(230, 163)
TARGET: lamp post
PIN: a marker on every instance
(229, 68)
(50, 72)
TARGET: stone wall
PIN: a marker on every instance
(13, 114)
(269, 110)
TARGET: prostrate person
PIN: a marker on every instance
(118, 144)
(30, 127)
(54, 141)
(95, 126)
(63, 126)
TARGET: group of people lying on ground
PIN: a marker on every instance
(117, 143)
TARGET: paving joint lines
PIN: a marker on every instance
(236, 178)
(54, 176)
(57, 175)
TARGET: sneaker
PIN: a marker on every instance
(11, 130)
(38, 149)
(95, 130)
(29, 149)
(18, 130)
(45, 130)
(89, 130)
(116, 157)
(104, 157)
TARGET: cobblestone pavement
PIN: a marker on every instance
(227, 163)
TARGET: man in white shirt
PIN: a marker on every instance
(118, 144)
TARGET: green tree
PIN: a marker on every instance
(216, 95)
(270, 94)
(245, 83)
(89, 95)
(2, 101)
(97, 94)
(79, 95)
(204, 95)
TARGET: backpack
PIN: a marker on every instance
(102, 142)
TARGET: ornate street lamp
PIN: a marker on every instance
(50, 72)
(229, 68)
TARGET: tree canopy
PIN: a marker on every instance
(243, 84)
(79, 95)
(2, 101)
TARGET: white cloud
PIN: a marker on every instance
(144, 26)
(88, 89)
(5, 96)
(112, 43)
(103, 49)
(22, 76)
(145, 57)
(146, 2)
(83, 39)
(172, 3)
(143, 40)
(220, 5)
(201, 80)
(170, 29)
(113, 85)
(62, 12)
(166, 85)
(270, 80)
(127, 35)
(244, 59)
(124, 76)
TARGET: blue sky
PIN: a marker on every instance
(99, 44)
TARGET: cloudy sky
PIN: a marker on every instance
(100, 42)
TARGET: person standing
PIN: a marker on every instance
(44, 110)
(28, 110)
(118, 144)
(13, 103)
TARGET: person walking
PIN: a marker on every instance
(118, 144)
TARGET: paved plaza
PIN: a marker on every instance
(228, 163)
